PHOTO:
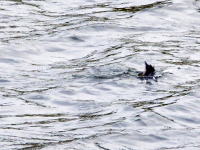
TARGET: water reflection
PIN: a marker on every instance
(69, 70)
(134, 9)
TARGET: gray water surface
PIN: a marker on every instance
(68, 76)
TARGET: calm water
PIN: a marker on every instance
(69, 68)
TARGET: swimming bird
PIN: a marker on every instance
(148, 73)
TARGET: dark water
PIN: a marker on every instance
(69, 68)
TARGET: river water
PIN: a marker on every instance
(69, 69)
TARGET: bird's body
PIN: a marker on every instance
(148, 73)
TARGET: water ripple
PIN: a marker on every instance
(69, 71)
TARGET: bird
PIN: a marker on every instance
(149, 71)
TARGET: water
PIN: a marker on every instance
(68, 75)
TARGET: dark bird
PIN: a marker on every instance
(148, 73)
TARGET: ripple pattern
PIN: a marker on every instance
(69, 70)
